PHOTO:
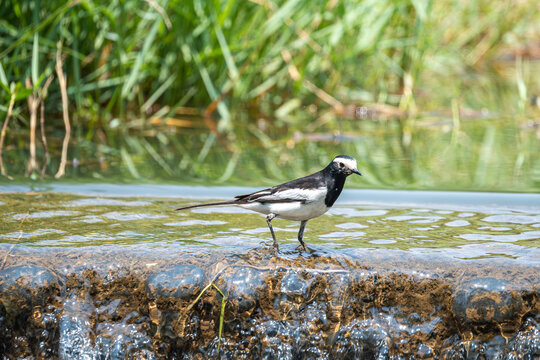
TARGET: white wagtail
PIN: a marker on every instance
(298, 200)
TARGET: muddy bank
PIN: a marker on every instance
(138, 303)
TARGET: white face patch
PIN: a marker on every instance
(349, 163)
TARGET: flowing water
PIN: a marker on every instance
(99, 271)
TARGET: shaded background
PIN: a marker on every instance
(425, 94)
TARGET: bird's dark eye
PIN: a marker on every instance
(341, 165)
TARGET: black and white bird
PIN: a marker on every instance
(298, 200)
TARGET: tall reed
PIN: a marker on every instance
(131, 65)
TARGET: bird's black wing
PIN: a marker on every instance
(284, 192)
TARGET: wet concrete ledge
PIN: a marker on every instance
(135, 302)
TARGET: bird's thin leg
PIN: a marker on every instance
(269, 218)
(301, 234)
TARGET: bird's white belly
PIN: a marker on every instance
(296, 211)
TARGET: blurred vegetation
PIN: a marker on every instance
(427, 94)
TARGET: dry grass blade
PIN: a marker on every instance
(170, 121)
(43, 138)
(293, 71)
(63, 90)
(182, 110)
(33, 103)
(3, 134)
(339, 108)
(42, 124)
(161, 11)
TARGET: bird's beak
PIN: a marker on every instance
(357, 172)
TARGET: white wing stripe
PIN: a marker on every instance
(295, 194)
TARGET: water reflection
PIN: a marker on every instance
(344, 235)
(351, 212)
(382, 241)
(504, 238)
(45, 214)
(124, 216)
(196, 222)
(351, 225)
(105, 202)
(221, 210)
(26, 235)
(415, 219)
(513, 218)
(91, 219)
(457, 223)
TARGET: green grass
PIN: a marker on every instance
(233, 76)
(222, 310)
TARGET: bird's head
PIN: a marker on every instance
(345, 165)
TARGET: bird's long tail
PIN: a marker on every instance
(230, 202)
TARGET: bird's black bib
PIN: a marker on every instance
(335, 186)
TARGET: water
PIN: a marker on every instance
(449, 224)
(112, 271)
(494, 153)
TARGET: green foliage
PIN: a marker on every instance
(123, 51)
(132, 64)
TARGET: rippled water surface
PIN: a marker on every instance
(458, 225)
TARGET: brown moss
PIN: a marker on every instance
(306, 302)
